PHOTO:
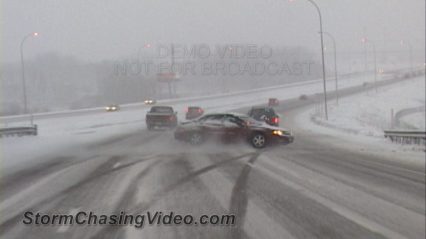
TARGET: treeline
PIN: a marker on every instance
(58, 82)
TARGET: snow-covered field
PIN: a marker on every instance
(369, 113)
(359, 120)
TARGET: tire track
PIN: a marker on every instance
(127, 198)
(239, 199)
(102, 171)
(140, 208)
(371, 181)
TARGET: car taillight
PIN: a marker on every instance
(172, 117)
(186, 110)
(275, 120)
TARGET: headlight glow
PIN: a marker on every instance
(277, 132)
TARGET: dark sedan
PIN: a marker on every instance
(228, 126)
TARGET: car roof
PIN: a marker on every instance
(227, 114)
(237, 114)
(161, 106)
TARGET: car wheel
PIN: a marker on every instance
(196, 138)
(258, 140)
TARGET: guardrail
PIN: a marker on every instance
(406, 137)
(19, 131)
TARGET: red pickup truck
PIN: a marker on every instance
(161, 116)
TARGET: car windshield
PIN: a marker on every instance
(194, 109)
(256, 113)
(161, 110)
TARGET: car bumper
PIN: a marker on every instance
(284, 139)
(162, 124)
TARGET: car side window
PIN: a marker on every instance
(212, 119)
(230, 121)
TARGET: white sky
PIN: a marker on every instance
(106, 29)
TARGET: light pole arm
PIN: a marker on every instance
(25, 38)
(318, 9)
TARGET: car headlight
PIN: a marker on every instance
(277, 132)
(107, 108)
(113, 108)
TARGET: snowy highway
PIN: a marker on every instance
(317, 187)
(141, 119)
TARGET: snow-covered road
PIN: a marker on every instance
(320, 186)
(313, 188)
(72, 130)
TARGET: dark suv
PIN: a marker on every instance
(266, 114)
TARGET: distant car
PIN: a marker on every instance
(273, 102)
(303, 97)
(111, 108)
(150, 101)
(266, 114)
(228, 126)
(161, 116)
(193, 112)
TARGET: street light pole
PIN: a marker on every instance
(335, 64)
(410, 48)
(322, 58)
(365, 41)
(375, 65)
(24, 86)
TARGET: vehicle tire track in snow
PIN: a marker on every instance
(185, 179)
(100, 171)
(239, 200)
(126, 199)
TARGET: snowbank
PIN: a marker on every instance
(362, 118)
(369, 113)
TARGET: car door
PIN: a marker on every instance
(232, 127)
(212, 125)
